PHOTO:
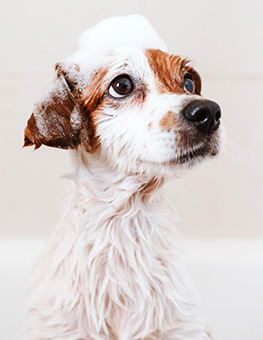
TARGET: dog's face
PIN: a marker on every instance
(143, 109)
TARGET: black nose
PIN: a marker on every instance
(205, 115)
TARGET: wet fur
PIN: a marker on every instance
(113, 268)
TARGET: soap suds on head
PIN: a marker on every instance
(132, 31)
(97, 43)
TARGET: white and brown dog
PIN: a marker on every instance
(135, 117)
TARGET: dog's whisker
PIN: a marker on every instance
(235, 155)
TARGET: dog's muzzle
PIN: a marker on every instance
(204, 114)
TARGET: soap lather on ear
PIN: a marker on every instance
(53, 121)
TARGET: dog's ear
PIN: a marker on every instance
(57, 120)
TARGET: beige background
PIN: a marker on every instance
(222, 199)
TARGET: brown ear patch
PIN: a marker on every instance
(29, 139)
(56, 121)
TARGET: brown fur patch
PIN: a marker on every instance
(65, 118)
(92, 100)
(50, 122)
(168, 121)
(170, 71)
(93, 93)
(29, 139)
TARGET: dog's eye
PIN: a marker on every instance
(189, 85)
(121, 86)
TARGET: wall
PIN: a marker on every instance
(222, 199)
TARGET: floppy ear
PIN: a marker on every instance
(57, 120)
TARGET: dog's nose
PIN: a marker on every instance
(205, 115)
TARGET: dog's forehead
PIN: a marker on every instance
(126, 44)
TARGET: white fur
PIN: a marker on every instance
(113, 269)
(114, 263)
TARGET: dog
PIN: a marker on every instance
(134, 117)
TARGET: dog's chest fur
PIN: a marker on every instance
(111, 266)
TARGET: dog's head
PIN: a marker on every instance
(128, 99)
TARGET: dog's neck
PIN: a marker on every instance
(112, 207)
(98, 180)
(120, 243)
